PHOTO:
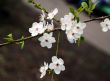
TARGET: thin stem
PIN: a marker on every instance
(58, 41)
(52, 79)
(38, 6)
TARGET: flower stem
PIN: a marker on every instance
(52, 79)
(58, 41)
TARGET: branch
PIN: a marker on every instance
(98, 18)
(26, 38)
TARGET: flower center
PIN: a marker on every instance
(57, 64)
(77, 27)
(107, 25)
(72, 34)
(36, 29)
(46, 40)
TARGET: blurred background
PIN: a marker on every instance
(89, 62)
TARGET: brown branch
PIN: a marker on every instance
(26, 38)
(98, 18)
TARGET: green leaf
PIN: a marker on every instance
(9, 37)
(78, 19)
(93, 7)
(80, 40)
(84, 5)
(22, 44)
(72, 10)
(75, 13)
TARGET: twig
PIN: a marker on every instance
(98, 18)
(26, 38)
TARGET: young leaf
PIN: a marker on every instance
(80, 40)
(72, 10)
(93, 7)
(22, 43)
(75, 13)
(9, 37)
(84, 5)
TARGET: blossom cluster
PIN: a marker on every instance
(73, 29)
(57, 66)
(39, 28)
(105, 25)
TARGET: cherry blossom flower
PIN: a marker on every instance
(50, 26)
(57, 65)
(75, 32)
(43, 70)
(37, 28)
(46, 40)
(79, 27)
(105, 25)
(72, 37)
(52, 14)
(67, 22)
(42, 18)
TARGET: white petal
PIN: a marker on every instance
(55, 11)
(43, 44)
(52, 66)
(43, 74)
(62, 67)
(107, 20)
(71, 40)
(42, 69)
(54, 59)
(63, 27)
(57, 71)
(46, 65)
(83, 25)
(52, 40)
(49, 45)
(104, 29)
(51, 34)
(60, 61)
(34, 24)
(34, 33)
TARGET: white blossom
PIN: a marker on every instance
(57, 65)
(43, 70)
(67, 22)
(37, 28)
(105, 25)
(50, 26)
(79, 27)
(72, 37)
(52, 14)
(42, 18)
(46, 40)
(75, 32)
